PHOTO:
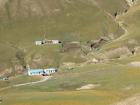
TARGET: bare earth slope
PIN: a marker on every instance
(135, 100)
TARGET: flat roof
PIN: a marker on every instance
(35, 70)
(39, 70)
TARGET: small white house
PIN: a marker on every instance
(55, 41)
(52, 42)
(38, 43)
(44, 72)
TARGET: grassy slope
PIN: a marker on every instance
(119, 7)
(109, 76)
(131, 23)
(18, 80)
(116, 82)
(62, 98)
(76, 21)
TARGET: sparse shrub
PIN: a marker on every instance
(20, 55)
(115, 14)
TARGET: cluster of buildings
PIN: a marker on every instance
(43, 42)
(37, 72)
(43, 72)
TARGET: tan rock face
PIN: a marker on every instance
(2, 2)
(131, 2)
(135, 100)
(118, 53)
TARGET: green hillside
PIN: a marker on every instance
(24, 22)
(98, 61)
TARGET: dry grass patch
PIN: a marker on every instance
(63, 98)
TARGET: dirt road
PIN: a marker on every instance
(29, 83)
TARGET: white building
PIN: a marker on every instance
(38, 43)
(47, 42)
(44, 72)
(55, 41)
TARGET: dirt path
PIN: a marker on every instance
(29, 83)
(126, 32)
(120, 23)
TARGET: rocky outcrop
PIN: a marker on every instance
(131, 2)
(135, 100)
(118, 53)
(137, 49)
